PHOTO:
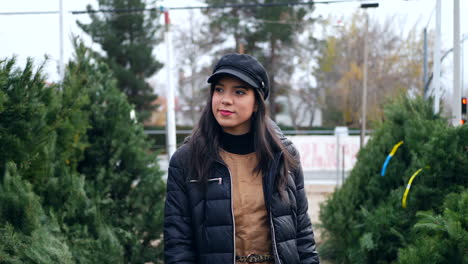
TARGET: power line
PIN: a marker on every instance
(29, 13)
(131, 10)
(430, 16)
(254, 5)
(116, 10)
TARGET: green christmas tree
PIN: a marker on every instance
(29, 118)
(25, 236)
(122, 176)
(364, 221)
(128, 35)
(77, 181)
(441, 238)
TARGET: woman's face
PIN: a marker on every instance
(233, 104)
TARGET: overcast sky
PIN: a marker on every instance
(36, 35)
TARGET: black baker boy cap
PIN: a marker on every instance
(244, 67)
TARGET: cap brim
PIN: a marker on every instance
(234, 73)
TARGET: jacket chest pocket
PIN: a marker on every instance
(215, 188)
(200, 192)
(218, 180)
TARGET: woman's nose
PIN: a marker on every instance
(226, 99)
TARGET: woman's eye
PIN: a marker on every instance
(218, 89)
(240, 92)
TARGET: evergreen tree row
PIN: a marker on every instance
(364, 220)
(77, 181)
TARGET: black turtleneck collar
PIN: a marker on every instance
(242, 144)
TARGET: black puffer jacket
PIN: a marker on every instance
(199, 225)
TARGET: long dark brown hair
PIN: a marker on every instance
(205, 143)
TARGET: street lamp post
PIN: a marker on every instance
(456, 106)
(61, 59)
(437, 44)
(170, 120)
(364, 79)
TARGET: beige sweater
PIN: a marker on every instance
(250, 214)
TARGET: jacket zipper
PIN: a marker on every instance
(233, 220)
(232, 214)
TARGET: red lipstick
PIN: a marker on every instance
(225, 112)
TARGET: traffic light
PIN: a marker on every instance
(463, 105)
(463, 110)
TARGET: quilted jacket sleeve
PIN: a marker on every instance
(178, 235)
(305, 235)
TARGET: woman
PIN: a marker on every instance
(235, 190)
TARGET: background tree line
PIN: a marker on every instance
(315, 66)
(314, 63)
(394, 68)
